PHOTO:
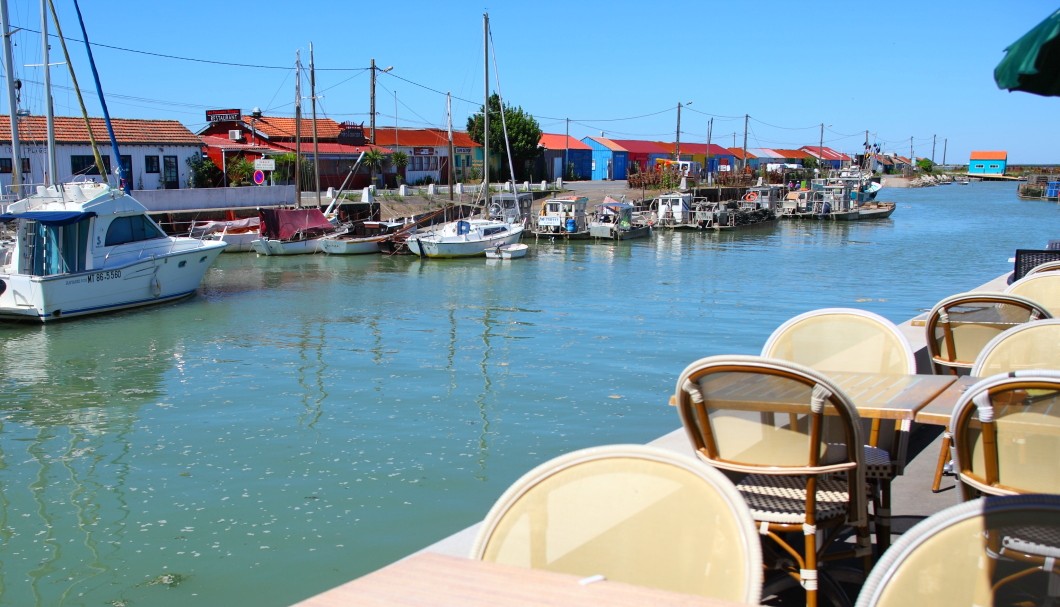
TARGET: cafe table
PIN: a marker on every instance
(938, 410)
(429, 579)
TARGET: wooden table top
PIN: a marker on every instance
(436, 580)
(886, 396)
(937, 412)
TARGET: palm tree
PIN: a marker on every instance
(400, 160)
(373, 159)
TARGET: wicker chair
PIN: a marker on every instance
(633, 514)
(852, 340)
(765, 421)
(1028, 259)
(989, 551)
(1006, 434)
(958, 328)
(1042, 287)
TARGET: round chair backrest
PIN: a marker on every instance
(959, 326)
(1032, 345)
(1042, 287)
(842, 340)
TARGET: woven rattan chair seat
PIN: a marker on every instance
(782, 499)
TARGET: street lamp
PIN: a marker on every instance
(255, 115)
(372, 108)
(677, 146)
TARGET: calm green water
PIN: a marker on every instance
(307, 419)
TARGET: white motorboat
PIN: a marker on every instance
(86, 248)
(238, 234)
(614, 221)
(507, 251)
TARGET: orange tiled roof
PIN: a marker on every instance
(551, 141)
(421, 138)
(127, 131)
(981, 155)
(739, 153)
(275, 127)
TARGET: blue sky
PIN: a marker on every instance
(910, 73)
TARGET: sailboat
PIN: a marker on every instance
(85, 247)
(472, 237)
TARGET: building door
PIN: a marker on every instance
(557, 168)
(170, 174)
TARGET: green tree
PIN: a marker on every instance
(373, 159)
(239, 170)
(203, 173)
(925, 165)
(400, 160)
(284, 168)
(524, 134)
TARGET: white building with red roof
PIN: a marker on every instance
(154, 153)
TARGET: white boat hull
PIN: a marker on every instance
(160, 274)
(268, 246)
(351, 246)
(508, 251)
(441, 245)
(237, 243)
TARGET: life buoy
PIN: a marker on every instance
(750, 196)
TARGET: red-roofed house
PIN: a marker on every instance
(337, 148)
(562, 150)
(988, 163)
(743, 158)
(154, 153)
(697, 152)
(827, 156)
(642, 154)
(428, 152)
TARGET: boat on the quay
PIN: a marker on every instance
(562, 218)
(295, 231)
(614, 221)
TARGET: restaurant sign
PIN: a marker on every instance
(222, 115)
(423, 151)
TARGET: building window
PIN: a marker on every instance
(86, 165)
(151, 164)
(5, 165)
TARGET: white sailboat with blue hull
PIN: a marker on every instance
(74, 249)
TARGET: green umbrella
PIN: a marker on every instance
(1032, 63)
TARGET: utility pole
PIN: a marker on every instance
(677, 146)
(746, 120)
(933, 148)
(911, 159)
(566, 150)
(710, 127)
(944, 142)
(371, 105)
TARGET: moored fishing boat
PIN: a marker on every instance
(562, 217)
(614, 221)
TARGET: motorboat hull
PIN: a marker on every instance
(351, 246)
(160, 276)
(268, 246)
(508, 251)
(475, 243)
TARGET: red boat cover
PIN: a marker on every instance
(285, 224)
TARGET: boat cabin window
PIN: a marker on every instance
(56, 249)
(132, 229)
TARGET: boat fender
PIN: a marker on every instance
(3, 287)
(156, 286)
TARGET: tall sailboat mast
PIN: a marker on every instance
(298, 128)
(313, 103)
(12, 101)
(486, 106)
(49, 112)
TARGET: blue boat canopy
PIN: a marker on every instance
(50, 218)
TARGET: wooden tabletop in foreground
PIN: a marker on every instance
(437, 580)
